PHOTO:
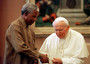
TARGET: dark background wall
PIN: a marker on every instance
(9, 10)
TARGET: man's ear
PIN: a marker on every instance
(26, 13)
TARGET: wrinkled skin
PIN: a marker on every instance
(30, 18)
(61, 29)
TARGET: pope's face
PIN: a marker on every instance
(61, 29)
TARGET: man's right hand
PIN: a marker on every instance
(44, 58)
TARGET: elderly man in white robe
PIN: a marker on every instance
(65, 46)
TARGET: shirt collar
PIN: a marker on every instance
(23, 22)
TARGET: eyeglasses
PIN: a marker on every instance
(61, 30)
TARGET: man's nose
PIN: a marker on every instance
(58, 32)
(35, 19)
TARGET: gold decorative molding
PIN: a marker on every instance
(45, 31)
(31, 1)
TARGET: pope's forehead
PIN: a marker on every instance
(60, 23)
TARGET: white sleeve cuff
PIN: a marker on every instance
(72, 61)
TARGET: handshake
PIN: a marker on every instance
(44, 58)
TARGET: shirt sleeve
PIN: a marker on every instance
(72, 60)
(19, 45)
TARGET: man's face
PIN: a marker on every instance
(32, 17)
(61, 29)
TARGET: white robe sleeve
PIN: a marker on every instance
(44, 48)
(72, 60)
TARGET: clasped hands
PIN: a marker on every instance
(57, 61)
(44, 59)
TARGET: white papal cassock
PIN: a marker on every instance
(72, 49)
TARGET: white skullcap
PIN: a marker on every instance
(59, 19)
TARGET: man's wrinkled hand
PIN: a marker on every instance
(44, 58)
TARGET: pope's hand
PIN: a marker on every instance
(57, 61)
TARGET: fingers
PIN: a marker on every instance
(57, 60)
(44, 58)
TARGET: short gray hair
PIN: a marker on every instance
(29, 7)
(59, 19)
